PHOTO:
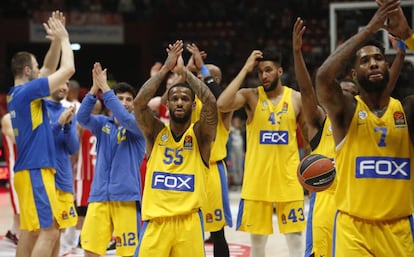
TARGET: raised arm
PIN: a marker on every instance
(57, 29)
(232, 98)
(149, 125)
(51, 60)
(205, 128)
(338, 107)
(398, 62)
(312, 113)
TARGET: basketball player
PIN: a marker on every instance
(10, 154)
(374, 146)
(216, 211)
(115, 197)
(64, 128)
(36, 159)
(322, 208)
(179, 154)
(272, 155)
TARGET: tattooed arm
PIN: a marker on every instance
(144, 116)
(205, 127)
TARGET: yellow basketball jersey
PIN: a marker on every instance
(175, 179)
(374, 165)
(218, 150)
(272, 155)
(326, 147)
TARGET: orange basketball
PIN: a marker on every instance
(316, 172)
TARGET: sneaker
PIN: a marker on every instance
(208, 240)
(12, 237)
(111, 245)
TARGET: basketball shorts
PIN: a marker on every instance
(320, 224)
(216, 210)
(37, 198)
(358, 237)
(177, 236)
(104, 219)
(255, 217)
(67, 215)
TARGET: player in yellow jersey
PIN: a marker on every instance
(322, 208)
(178, 159)
(216, 210)
(374, 148)
(272, 155)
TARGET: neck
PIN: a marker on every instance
(20, 81)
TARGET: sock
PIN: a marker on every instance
(258, 245)
(295, 244)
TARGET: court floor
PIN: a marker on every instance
(239, 242)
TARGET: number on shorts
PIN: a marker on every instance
(129, 240)
(293, 215)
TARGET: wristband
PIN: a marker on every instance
(401, 45)
(204, 71)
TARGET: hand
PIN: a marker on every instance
(155, 68)
(252, 60)
(383, 13)
(55, 28)
(174, 52)
(67, 115)
(179, 67)
(298, 31)
(196, 57)
(99, 77)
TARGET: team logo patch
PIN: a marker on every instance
(285, 107)
(362, 115)
(284, 221)
(106, 129)
(65, 215)
(188, 143)
(209, 217)
(118, 241)
(264, 105)
(399, 118)
(164, 137)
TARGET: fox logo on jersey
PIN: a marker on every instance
(274, 137)
(383, 167)
(174, 182)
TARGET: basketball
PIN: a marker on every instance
(316, 172)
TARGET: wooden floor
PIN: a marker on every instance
(239, 242)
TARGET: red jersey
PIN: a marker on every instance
(10, 155)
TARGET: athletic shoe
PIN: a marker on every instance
(12, 237)
(111, 245)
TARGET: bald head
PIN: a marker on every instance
(215, 72)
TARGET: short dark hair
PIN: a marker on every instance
(182, 85)
(272, 54)
(19, 61)
(123, 87)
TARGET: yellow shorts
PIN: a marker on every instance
(216, 210)
(104, 219)
(67, 215)
(320, 224)
(358, 237)
(37, 198)
(255, 217)
(176, 236)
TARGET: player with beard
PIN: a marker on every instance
(178, 158)
(272, 156)
(373, 135)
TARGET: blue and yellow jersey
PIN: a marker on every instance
(175, 178)
(31, 125)
(272, 157)
(373, 165)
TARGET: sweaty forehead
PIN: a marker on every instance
(180, 90)
(266, 64)
(368, 50)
